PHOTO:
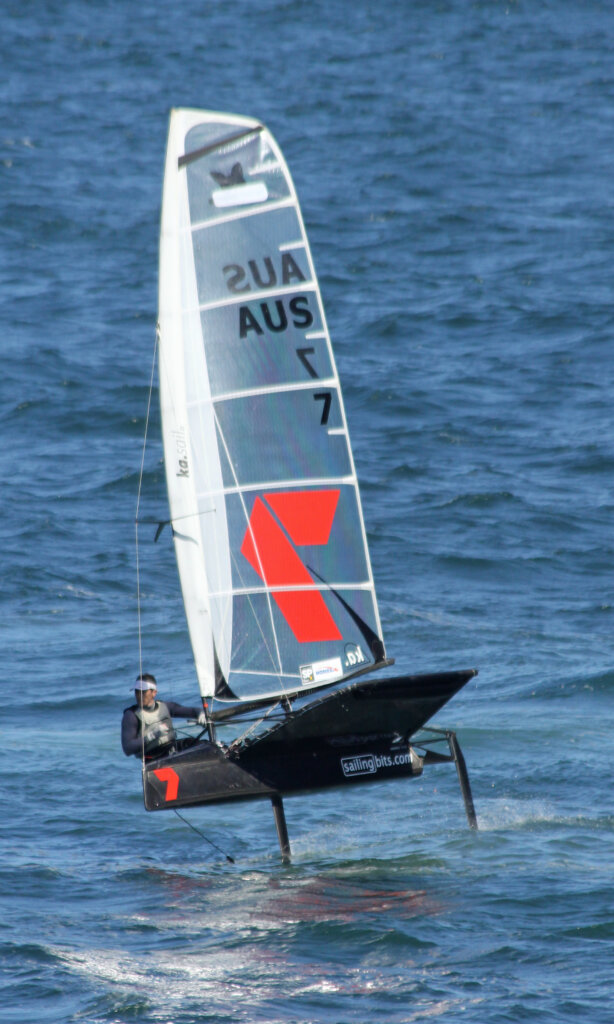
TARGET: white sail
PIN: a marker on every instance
(267, 521)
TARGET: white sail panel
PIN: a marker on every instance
(235, 366)
(266, 512)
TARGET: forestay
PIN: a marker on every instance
(266, 514)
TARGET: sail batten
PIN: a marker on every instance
(241, 215)
(353, 585)
(273, 390)
(271, 485)
(196, 154)
(254, 296)
(261, 479)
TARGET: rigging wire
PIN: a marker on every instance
(239, 739)
(275, 656)
(136, 527)
(203, 836)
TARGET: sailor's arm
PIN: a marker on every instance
(131, 740)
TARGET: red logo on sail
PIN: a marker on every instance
(307, 517)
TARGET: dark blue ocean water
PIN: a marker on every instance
(455, 163)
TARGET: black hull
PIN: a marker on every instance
(355, 735)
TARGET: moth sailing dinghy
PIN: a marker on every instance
(264, 503)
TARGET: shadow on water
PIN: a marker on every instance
(329, 898)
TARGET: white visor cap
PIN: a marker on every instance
(145, 684)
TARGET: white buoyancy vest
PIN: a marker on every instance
(156, 726)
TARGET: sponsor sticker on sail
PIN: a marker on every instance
(321, 671)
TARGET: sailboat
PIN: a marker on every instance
(264, 501)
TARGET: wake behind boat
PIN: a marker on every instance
(264, 502)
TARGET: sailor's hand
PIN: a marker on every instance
(202, 718)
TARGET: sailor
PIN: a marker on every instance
(147, 726)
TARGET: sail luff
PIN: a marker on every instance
(175, 279)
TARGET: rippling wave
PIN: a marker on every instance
(454, 167)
